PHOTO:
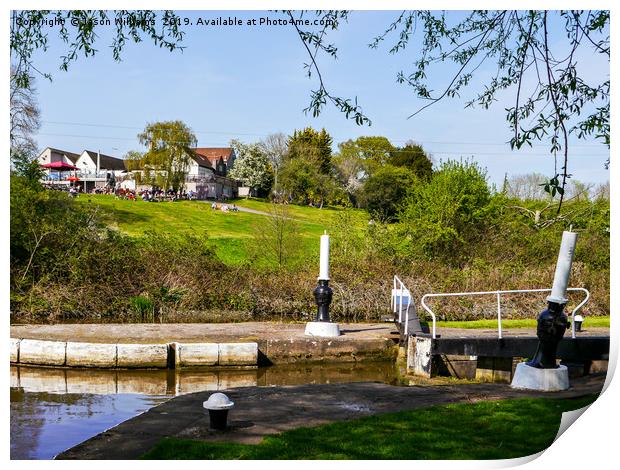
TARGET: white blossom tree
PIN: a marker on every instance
(251, 167)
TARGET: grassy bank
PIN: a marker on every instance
(590, 322)
(101, 259)
(483, 430)
(231, 234)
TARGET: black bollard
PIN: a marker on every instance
(552, 324)
(218, 419)
(218, 405)
(323, 297)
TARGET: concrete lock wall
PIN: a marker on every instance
(142, 355)
(196, 354)
(214, 354)
(102, 355)
(14, 346)
(46, 353)
(91, 355)
(237, 354)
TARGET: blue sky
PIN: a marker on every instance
(247, 82)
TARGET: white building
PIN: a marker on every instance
(93, 169)
(51, 155)
(206, 175)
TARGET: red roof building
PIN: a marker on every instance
(220, 159)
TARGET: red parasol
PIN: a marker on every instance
(60, 166)
(73, 178)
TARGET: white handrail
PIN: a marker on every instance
(499, 311)
(400, 302)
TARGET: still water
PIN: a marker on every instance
(55, 409)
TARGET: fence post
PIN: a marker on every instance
(499, 316)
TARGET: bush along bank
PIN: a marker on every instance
(67, 265)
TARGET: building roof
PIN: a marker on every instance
(73, 157)
(202, 161)
(213, 154)
(106, 162)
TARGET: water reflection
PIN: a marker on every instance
(44, 424)
(55, 409)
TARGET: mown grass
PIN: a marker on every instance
(311, 214)
(589, 322)
(484, 430)
(231, 233)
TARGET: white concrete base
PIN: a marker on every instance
(322, 328)
(547, 380)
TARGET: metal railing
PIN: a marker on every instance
(402, 292)
(498, 293)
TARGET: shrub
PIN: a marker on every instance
(384, 192)
(440, 217)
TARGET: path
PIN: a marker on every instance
(268, 410)
(241, 209)
(191, 332)
(237, 332)
(253, 211)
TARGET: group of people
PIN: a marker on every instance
(157, 195)
(224, 207)
(61, 187)
(147, 195)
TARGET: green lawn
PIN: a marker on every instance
(231, 233)
(483, 430)
(529, 323)
(310, 214)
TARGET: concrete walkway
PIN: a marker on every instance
(262, 411)
(143, 333)
(191, 332)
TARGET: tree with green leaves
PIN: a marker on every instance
(32, 31)
(303, 178)
(372, 152)
(414, 157)
(534, 53)
(358, 159)
(445, 213)
(309, 143)
(386, 190)
(168, 156)
(251, 167)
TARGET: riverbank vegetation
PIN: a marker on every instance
(97, 258)
(495, 430)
